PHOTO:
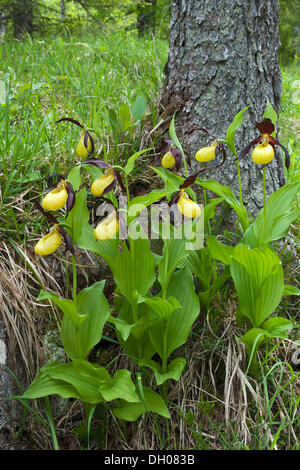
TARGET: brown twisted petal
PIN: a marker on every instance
(220, 147)
(188, 181)
(46, 214)
(67, 238)
(246, 149)
(88, 136)
(287, 155)
(120, 181)
(96, 162)
(177, 156)
(195, 128)
(174, 198)
(71, 197)
(70, 120)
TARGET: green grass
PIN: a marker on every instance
(80, 77)
(74, 76)
(289, 118)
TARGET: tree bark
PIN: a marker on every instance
(223, 57)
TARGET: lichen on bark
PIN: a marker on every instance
(222, 58)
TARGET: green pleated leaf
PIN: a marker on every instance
(132, 411)
(253, 339)
(139, 107)
(172, 182)
(291, 290)
(277, 326)
(173, 253)
(108, 249)
(131, 160)
(44, 385)
(72, 380)
(123, 327)
(217, 284)
(200, 263)
(124, 117)
(270, 113)
(134, 268)
(227, 194)
(231, 130)
(178, 326)
(78, 341)
(68, 307)
(137, 204)
(219, 251)
(280, 213)
(74, 177)
(173, 135)
(174, 370)
(258, 278)
(163, 308)
(209, 209)
(120, 386)
(137, 343)
(79, 216)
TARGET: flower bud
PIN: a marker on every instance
(263, 154)
(168, 160)
(49, 243)
(100, 184)
(187, 207)
(108, 228)
(56, 199)
(85, 145)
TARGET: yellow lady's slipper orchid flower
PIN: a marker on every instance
(100, 184)
(206, 154)
(85, 145)
(187, 207)
(170, 156)
(263, 154)
(108, 228)
(168, 160)
(49, 243)
(57, 198)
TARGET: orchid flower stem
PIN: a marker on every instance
(205, 201)
(214, 271)
(164, 366)
(185, 165)
(74, 279)
(67, 277)
(265, 198)
(165, 285)
(135, 319)
(240, 181)
(127, 188)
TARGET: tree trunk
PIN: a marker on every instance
(223, 57)
(62, 10)
(22, 12)
(146, 16)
